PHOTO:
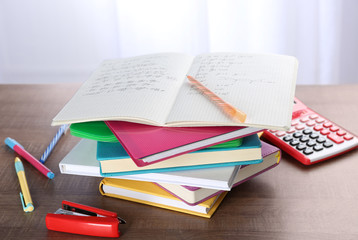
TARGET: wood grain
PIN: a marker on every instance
(291, 201)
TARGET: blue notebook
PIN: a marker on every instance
(114, 160)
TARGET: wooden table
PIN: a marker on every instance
(291, 201)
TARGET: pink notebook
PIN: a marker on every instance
(147, 144)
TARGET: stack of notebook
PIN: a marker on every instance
(193, 183)
(158, 141)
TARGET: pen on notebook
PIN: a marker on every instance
(54, 141)
(25, 196)
(234, 113)
(27, 156)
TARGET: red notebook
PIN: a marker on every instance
(147, 144)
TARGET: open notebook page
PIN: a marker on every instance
(133, 88)
(262, 86)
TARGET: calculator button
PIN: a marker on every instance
(307, 131)
(318, 148)
(314, 136)
(287, 138)
(294, 123)
(291, 130)
(348, 137)
(308, 151)
(294, 142)
(304, 119)
(311, 143)
(325, 132)
(328, 144)
(273, 131)
(300, 127)
(313, 116)
(304, 139)
(280, 133)
(320, 120)
(321, 140)
(311, 123)
(297, 134)
(341, 132)
(318, 127)
(334, 128)
(335, 138)
(327, 124)
(301, 146)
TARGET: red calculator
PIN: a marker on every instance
(312, 138)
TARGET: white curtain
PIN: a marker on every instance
(45, 41)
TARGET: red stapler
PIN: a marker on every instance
(81, 219)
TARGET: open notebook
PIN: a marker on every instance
(153, 89)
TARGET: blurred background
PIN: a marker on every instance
(44, 41)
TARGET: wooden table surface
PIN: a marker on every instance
(292, 201)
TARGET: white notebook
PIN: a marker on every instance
(81, 160)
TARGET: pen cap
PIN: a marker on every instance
(11, 142)
(18, 165)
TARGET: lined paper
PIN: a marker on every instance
(154, 89)
(262, 86)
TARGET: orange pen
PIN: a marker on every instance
(234, 113)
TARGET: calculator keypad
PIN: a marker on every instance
(316, 137)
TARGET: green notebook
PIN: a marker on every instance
(99, 131)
